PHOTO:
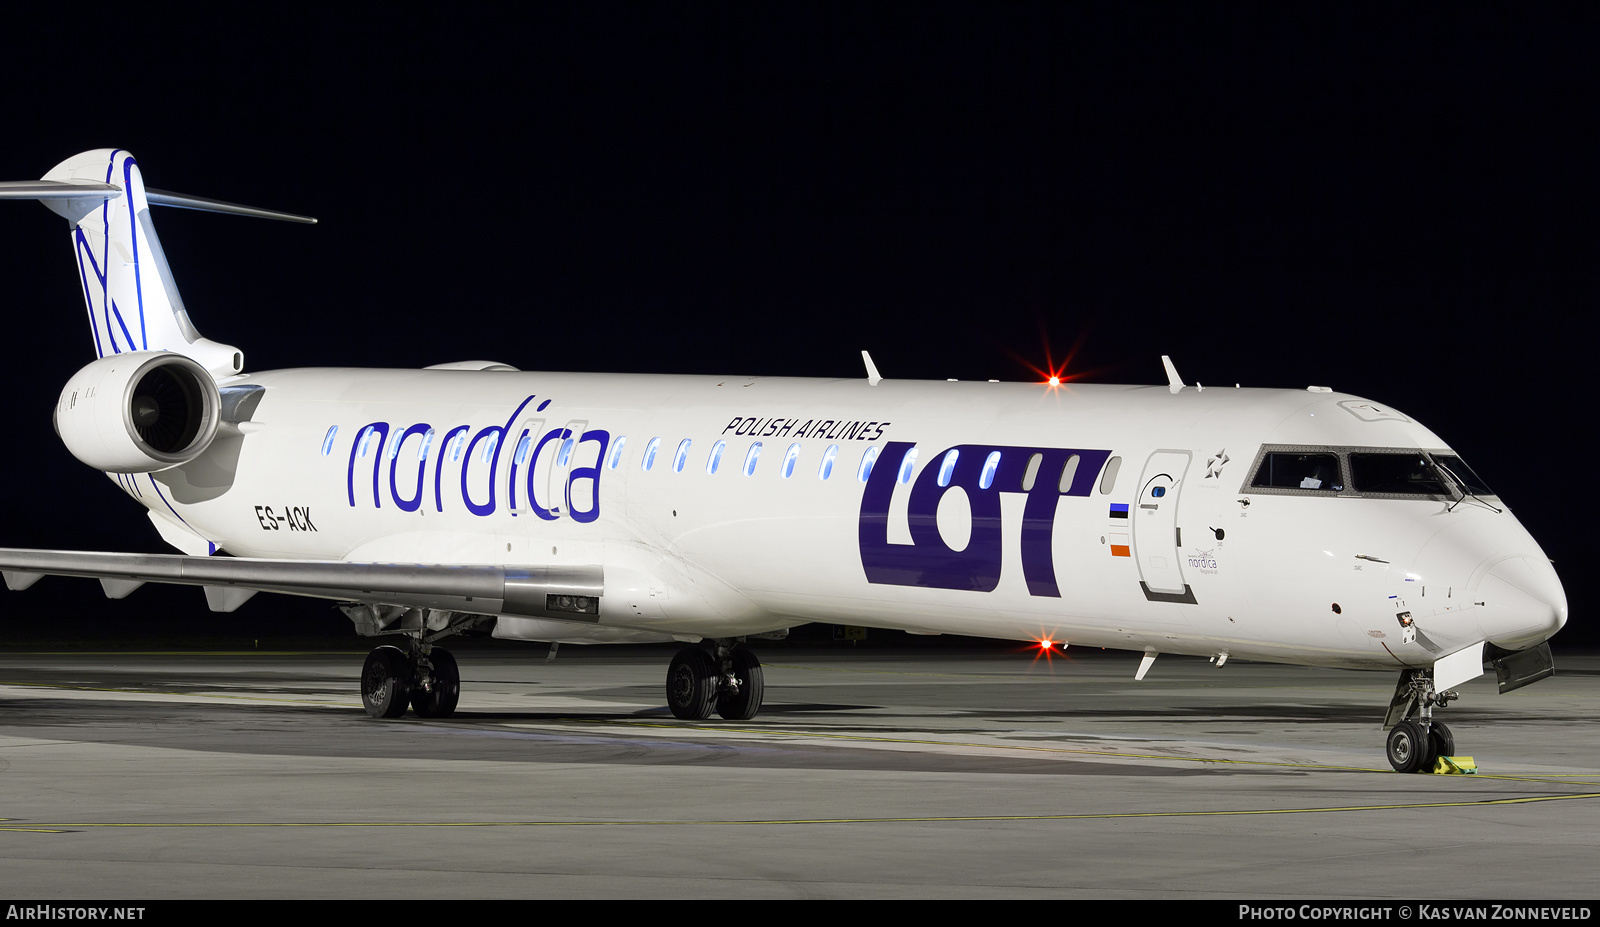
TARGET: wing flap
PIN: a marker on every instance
(530, 591)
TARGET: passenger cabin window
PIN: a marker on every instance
(867, 460)
(681, 456)
(427, 442)
(948, 467)
(715, 459)
(750, 458)
(649, 459)
(1108, 479)
(825, 469)
(789, 457)
(327, 443)
(1032, 473)
(1406, 474)
(1069, 472)
(616, 453)
(990, 464)
(1288, 470)
(907, 464)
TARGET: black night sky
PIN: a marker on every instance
(1397, 204)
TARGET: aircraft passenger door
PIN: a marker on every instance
(566, 450)
(1155, 522)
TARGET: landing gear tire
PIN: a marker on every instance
(1410, 749)
(1441, 740)
(386, 681)
(692, 685)
(743, 703)
(439, 700)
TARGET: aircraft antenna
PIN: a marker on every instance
(1173, 382)
(873, 377)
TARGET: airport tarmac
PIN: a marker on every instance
(869, 774)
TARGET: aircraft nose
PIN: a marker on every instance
(1523, 602)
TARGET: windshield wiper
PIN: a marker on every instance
(1461, 487)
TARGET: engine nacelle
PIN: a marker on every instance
(139, 412)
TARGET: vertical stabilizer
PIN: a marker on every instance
(129, 290)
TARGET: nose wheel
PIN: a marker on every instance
(1415, 740)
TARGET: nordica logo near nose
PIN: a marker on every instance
(520, 466)
(982, 472)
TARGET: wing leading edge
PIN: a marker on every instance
(567, 592)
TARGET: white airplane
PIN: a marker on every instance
(1292, 526)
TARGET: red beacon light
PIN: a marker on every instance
(1047, 649)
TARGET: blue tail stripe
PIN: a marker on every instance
(133, 233)
(132, 345)
(82, 247)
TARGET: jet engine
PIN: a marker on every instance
(138, 412)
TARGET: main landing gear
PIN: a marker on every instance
(728, 680)
(422, 677)
(1415, 739)
(419, 674)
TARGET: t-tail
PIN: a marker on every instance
(128, 288)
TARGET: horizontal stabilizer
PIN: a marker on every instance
(185, 201)
(56, 190)
(570, 592)
(64, 190)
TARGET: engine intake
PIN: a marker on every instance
(138, 412)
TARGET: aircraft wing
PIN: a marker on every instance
(569, 592)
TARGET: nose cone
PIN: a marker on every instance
(1523, 603)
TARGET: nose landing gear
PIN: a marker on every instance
(1415, 740)
(730, 682)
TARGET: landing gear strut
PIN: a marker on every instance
(1415, 740)
(728, 681)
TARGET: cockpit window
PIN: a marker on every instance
(1289, 470)
(1361, 472)
(1458, 470)
(1403, 473)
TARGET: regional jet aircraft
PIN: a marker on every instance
(1297, 526)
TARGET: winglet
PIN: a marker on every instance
(873, 377)
(1173, 383)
